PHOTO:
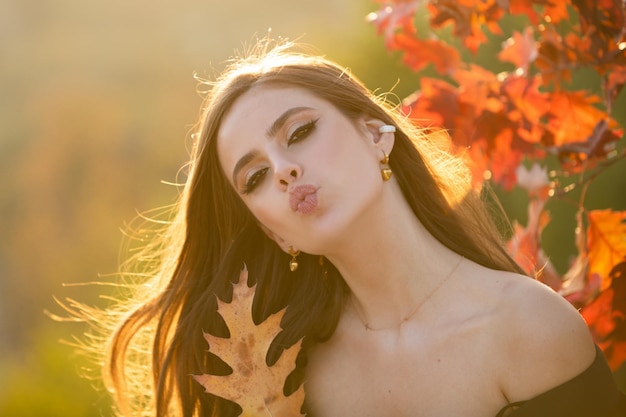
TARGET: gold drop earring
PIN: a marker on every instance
(385, 170)
(293, 263)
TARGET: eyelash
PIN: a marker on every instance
(302, 132)
(298, 135)
(254, 180)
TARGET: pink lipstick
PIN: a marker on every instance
(303, 199)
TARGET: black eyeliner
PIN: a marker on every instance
(304, 131)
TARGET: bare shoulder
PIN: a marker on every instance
(544, 339)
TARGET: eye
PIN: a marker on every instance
(254, 180)
(302, 132)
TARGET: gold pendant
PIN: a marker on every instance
(293, 264)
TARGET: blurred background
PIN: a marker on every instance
(96, 102)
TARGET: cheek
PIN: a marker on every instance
(354, 161)
(269, 210)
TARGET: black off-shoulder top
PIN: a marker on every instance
(593, 393)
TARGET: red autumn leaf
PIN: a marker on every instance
(573, 116)
(524, 7)
(550, 10)
(606, 317)
(478, 88)
(616, 81)
(458, 13)
(495, 148)
(503, 158)
(435, 104)
(393, 17)
(525, 244)
(556, 11)
(602, 25)
(475, 157)
(396, 22)
(577, 49)
(527, 109)
(606, 17)
(418, 53)
(553, 61)
(597, 281)
(467, 18)
(499, 119)
(575, 156)
(524, 94)
(520, 49)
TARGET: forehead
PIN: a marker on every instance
(251, 115)
(265, 103)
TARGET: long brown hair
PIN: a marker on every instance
(159, 329)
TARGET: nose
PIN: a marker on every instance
(286, 173)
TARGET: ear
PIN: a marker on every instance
(279, 241)
(382, 141)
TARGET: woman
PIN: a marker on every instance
(372, 238)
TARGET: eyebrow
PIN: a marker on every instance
(241, 163)
(271, 132)
(280, 121)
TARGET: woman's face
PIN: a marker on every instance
(305, 171)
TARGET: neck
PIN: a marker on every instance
(392, 267)
(419, 299)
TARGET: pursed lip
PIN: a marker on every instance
(303, 199)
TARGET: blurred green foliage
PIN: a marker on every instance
(96, 103)
(45, 381)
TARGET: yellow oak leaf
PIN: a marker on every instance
(255, 386)
(607, 242)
